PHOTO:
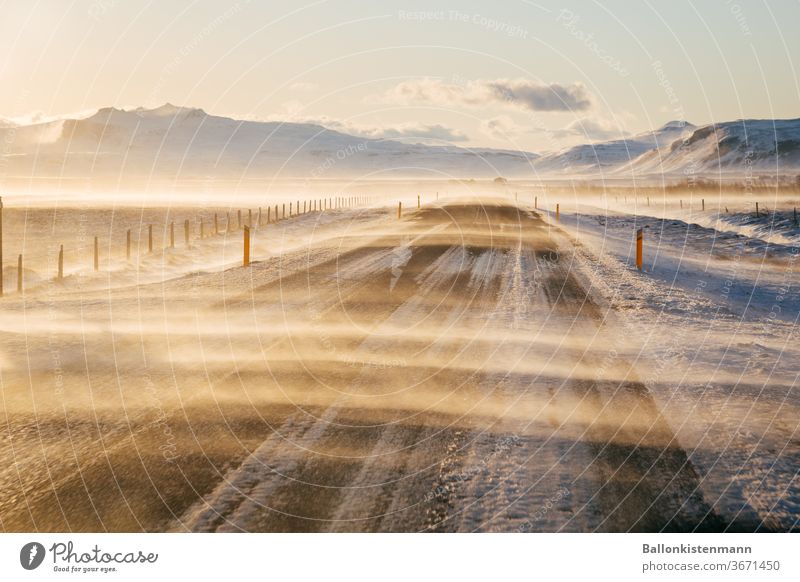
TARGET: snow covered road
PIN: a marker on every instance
(460, 369)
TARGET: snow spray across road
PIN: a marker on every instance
(447, 371)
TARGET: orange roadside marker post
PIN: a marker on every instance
(246, 245)
(639, 241)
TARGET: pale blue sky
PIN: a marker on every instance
(341, 63)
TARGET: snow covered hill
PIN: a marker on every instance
(182, 143)
(177, 142)
(603, 156)
(734, 147)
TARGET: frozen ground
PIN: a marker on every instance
(475, 365)
(714, 315)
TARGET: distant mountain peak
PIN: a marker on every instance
(676, 124)
(170, 110)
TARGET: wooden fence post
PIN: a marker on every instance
(172, 235)
(268, 213)
(536, 202)
(639, 241)
(216, 224)
(186, 232)
(757, 210)
(61, 263)
(703, 204)
(246, 246)
(284, 210)
(290, 209)
(418, 203)
(128, 245)
(399, 209)
(250, 217)
(558, 212)
(259, 216)
(19, 274)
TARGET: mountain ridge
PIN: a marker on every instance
(179, 142)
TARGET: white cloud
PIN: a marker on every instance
(407, 131)
(593, 129)
(501, 127)
(425, 131)
(40, 117)
(517, 93)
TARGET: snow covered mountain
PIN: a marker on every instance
(732, 147)
(180, 143)
(605, 156)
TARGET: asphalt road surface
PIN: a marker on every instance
(448, 371)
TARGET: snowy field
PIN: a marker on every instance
(714, 319)
(475, 365)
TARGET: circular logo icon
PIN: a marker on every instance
(31, 555)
